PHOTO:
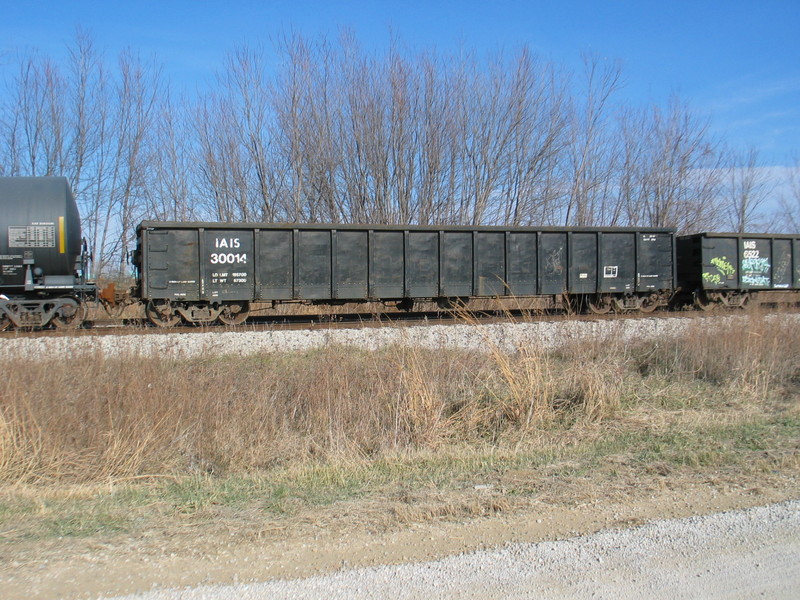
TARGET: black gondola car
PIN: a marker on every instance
(42, 257)
(731, 268)
(208, 271)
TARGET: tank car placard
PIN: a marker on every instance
(227, 265)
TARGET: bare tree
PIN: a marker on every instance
(405, 139)
(335, 133)
(672, 172)
(747, 187)
(532, 185)
(790, 203)
(593, 148)
(35, 134)
(305, 105)
(137, 92)
(168, 191)
(221, 164)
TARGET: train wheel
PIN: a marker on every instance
(648, 304)
(600, 305)
(5, 322)
(234, 313)
(702, 302)
(70, 315)
(113, 310)
(161, 314)
(745, 301)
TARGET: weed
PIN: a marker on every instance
(275, 433)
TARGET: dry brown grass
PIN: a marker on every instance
(748, 356)
(125, 418)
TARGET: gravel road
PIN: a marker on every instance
(739, 554)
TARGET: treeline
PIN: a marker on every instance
(324, 131)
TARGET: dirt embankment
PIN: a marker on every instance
(361, 534)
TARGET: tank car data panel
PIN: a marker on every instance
(227, 264)
(12, 271)
(36, 235)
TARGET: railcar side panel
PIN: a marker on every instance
(171, 267)
(583, 263)
(654, 261)
(312, 258)
(553, 263)
(275, 264)
(422, 264)
(350, 265)
(456, 265)
(755, 263)
(781, 264)
(720, 265)
(387, 260)
(616, 270)
(796, 261)
(522, 251)
(490, 264)
(227, 262)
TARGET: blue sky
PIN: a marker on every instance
(736, 61)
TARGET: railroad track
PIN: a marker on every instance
(123, 327)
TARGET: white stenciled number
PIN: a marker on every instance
(228, 258)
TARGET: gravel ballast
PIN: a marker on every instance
(500, 337)
(739, 554)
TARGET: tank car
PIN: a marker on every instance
(43, 259)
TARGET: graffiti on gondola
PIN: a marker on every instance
(723, 270)
(755, 268)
